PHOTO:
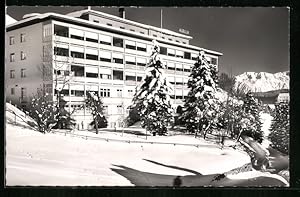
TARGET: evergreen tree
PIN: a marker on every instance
(250, 124)
(152, 98)
(64, 119)
(95, 104)
(280, 128)
(200, 106)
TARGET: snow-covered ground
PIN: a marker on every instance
(60, 159)
(53, 159)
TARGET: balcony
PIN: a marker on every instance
(132, 83)
(130, 66)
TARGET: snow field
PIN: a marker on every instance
(37, 159)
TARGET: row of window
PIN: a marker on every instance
(12, 39)
(23, 92)
(119, 42)
(13, 73)
(154, 35)
(104, 56)
(12, 57)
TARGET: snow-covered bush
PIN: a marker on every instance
(152, 99)
(44, 112)
(95, 104)
(280, 128)
(201, 106)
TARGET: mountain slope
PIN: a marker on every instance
(261, 82)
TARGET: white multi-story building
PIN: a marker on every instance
(92, 51)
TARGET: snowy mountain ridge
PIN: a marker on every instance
(261, 82)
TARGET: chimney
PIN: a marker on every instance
(122, 12)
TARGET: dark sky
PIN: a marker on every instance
(251, 39)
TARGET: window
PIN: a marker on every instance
(119, 92)
(122, 27)
(61, 51)
(91, 57)
(163, 50)
(117, 58)
(171, 52)
(130, 60)
(91, 37)
(118, 42)
(104, 92)
(23, 92)
(179, 67)
(117, 75)
(130, 78)
(61, 31)
(12, 74)
(179, 97)
(77, 92)
(12, 57)
(179, 54)
(11, 40)
(22, 38)
(23, 74)
(187, 55)
(105, 39)
(130, 45)
(119, 109)
(91, 54)
(141, 47)
(194, 56)
(105, 76)
(12, 91)
(132, 30)
(96, 21)
(23, 55)
(186, 70)
(214, 61)
(170, 39)
(109, 24)
(138, 78)
(76, 54)
(105, 56)
(171, 66)
(62, 72)
(78, 71)
(130, 93)
(92, 75)
(76, 34)
(65, 92)
(142, 32)
(141, 61)
(154, 35)
(177, 40)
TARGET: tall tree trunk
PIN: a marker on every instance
(96, 125)
(205, 131)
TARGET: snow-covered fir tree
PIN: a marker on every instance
(95, 104)
(64, 119)
(200, 105)
(250, 123)
(152, 99)
(44, 112)
(280, 128)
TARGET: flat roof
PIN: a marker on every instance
(123, 20)
(78, 21)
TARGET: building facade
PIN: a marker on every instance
(92, 51)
